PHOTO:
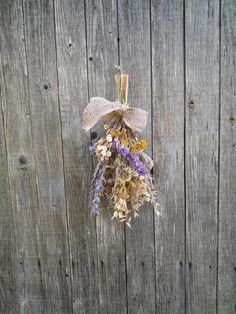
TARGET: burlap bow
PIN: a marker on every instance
(100, 109)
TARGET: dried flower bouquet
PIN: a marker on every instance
(123, 172)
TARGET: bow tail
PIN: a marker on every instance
(136, 119)
(99, 109)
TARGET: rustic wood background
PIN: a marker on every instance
(55, 257)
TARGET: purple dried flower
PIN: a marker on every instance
(92, 149)
(133, 159)
(142, 171)
(96, 189)
(95, 210)
(96, 200)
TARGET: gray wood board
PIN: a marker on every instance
(8, 250)
(202, 127)
(46, 133)
(227, 197)
(73, 97)
(29, 287)
(168, 151)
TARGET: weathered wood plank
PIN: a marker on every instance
(227, 196)
(202, 116)
(8, 254)
(168, 151)
(73, 96)
(101, 18)
(46, 132)
(30, 291)
(134, 33)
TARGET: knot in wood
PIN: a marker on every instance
(191, 105)
(21, 161)
(232, 120)
(45, 86)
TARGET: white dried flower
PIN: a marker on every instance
(109, 138)
(99, 147)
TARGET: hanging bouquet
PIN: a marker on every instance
(123, 171)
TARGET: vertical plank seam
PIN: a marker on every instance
(152, 148)
(185, 174)
(124, 227)
(88, 96)
(219, 151)
(63, 158)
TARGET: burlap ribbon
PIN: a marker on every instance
(99, 109)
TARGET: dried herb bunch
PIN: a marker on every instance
(123, 172)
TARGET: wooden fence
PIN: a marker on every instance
(55, 257)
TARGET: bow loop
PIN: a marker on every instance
(99, 109)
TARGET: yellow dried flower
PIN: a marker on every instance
(117, 134)
(106, 126)
(126, 142)
(144, 143)
(139, 146)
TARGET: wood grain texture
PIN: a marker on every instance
(227, 197)
(168, 151)
(202, 127)
(134, 35)
(73, 97)
(54, 256)
(29, 288)
(102, 47)
(8, 252)
(46, 133)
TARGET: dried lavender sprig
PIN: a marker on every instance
(92, 149)
(133, 159)
(97, 186)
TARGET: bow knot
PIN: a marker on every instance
(100, 110)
